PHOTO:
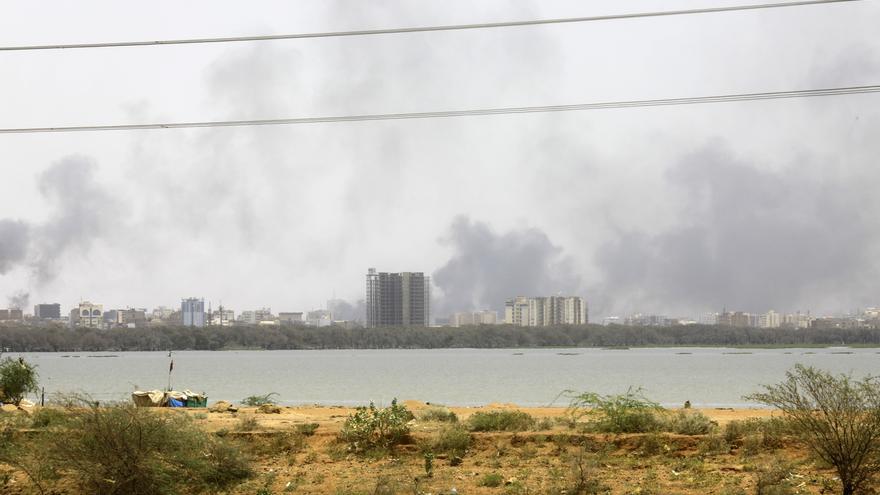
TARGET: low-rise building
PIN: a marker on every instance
(319, 318)
(468, 318)
(291, 317)
(87, 314)
(47, 311)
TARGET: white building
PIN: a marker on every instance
(87, 314)
(222, 318)
(516, 311)
(770, 319)
(545, 311)
(256, 316)
(319, 318)
(485, 317)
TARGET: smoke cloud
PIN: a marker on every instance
(487, 268)
(82, 211)
(749, 239)
(13, 244)
(19, 300)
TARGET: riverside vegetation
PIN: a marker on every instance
(618, 444)
(55, 339)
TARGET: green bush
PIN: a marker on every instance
(491, 480)
(370, 427)
(714, 445)
(45, 417)
(453, 440)
(439, 414)
(247, 423)
(771, 432)
(625, 413)
(501, 421)
(838, 418)
(689, 423)
(17, 379)
(124, 449)
(307, 429)
(259, 400)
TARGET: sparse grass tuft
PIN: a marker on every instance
(439, 414)
(501, 421)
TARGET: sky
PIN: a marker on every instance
(674, 210)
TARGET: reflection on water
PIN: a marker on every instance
(709, 377)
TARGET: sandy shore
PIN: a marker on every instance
(332, 417)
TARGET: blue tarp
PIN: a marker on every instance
(176, 403)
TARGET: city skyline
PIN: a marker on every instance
(674, 210)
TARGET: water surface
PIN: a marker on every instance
(708, 377)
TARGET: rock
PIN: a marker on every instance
(510, 481)
(223, 406)
(8, 408)
(269, 409)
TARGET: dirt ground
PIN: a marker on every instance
(552, 459)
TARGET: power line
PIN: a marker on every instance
(419, 29)
(774, 95)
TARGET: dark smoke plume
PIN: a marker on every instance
(749, 239)
(487, 268)
(19, 300)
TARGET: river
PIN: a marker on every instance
(708, 377)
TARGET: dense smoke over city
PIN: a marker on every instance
(747, 237)
(19, 300)
(487, 267)
(80, 213)
(676, 210)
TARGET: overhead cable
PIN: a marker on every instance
(420, 29)
(807, 93)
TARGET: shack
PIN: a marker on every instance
(172, 398)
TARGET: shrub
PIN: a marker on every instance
(501, 421)
(306, 429)
(689, 423)
(837, 417)
(581, 480)
(281, 442)
(259, 400)
(45, 417)
(491, 480)
(124, 449)
(653, 444)
(714, 445)
(371, 427)
(452, 440)
(772, 480)
(626, 413)
(758, 433)
(17, 379)
(439, 414)
(247, 423)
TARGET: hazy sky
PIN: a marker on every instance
(680, 210)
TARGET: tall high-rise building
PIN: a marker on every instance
(545, 311)
(398, 299)
(47, 311)
(192, 312)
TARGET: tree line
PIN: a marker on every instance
(54, 339)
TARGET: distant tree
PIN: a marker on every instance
(837, 417)
(17, 379)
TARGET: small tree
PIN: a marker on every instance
(17, 379)
(837, 417)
